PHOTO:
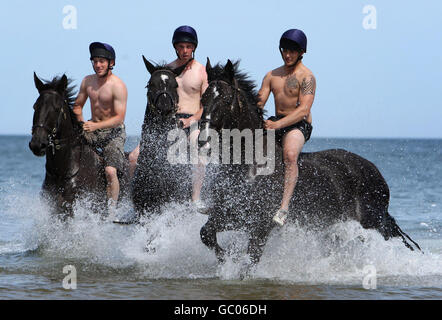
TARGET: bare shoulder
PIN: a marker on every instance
(199, 67)
(308, 81)
(87, 81)
(118, 86)
(198, 70)
(278, 72)
(306, 73)
(117, 82)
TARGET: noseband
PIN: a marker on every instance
(53, 142)
(153, 102)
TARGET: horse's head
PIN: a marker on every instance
(49, 111)
(230, 101)
(162, 87)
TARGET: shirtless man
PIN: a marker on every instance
(191, 85)
(293, 86)
(108, 99)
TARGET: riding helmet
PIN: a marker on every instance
(293, 39)
(101, 50)
(185, 34)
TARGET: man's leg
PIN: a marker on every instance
(133, 157)
(114, 158)
(293, 142)
(198, 173)
(113, 189)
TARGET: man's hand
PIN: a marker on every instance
(90, 126)
(187, 122)
(271, 125)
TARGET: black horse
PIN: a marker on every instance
(74, 169)
(333, 185)
(158, 179)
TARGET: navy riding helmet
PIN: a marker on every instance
(102, 50)
(185, 34)
(293, 39)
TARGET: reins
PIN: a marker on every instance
(54, 142)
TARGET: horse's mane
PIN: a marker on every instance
(244, 83)
(69, 95)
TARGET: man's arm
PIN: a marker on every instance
(120, 103)
(306, 98)
(80, 101)
(264, 92)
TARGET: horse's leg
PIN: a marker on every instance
(257, 241)
(208, 237)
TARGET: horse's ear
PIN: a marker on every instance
(208, 65)
(229, 70)
(38, 83)
(149, 66)
(62, 84)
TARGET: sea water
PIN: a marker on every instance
(165, 258)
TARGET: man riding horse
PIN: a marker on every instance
(108, 98)
(293, 86)
(192, 83)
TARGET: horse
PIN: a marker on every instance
(333, 185)
(158, 180)
(74, 169)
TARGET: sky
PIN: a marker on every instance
(378, 63)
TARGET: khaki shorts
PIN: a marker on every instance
(111, 142)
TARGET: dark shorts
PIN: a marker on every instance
(303, 126)
(111, 142)
(184, 116)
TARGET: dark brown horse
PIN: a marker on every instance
(333, 185)
(74, 169)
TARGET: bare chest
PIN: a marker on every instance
(189, 83)
(100, 96)
(288, 86)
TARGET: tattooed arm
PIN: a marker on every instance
(306, 97)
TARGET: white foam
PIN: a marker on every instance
(337, 255)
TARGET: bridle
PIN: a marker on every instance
(53, 142)
(153, 101)
(235, 98)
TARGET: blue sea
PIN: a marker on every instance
(110, 261)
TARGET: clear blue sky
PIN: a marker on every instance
(383, 82)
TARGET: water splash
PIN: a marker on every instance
(169, 247)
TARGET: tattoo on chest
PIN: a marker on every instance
(308, 85)
(291, 82)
